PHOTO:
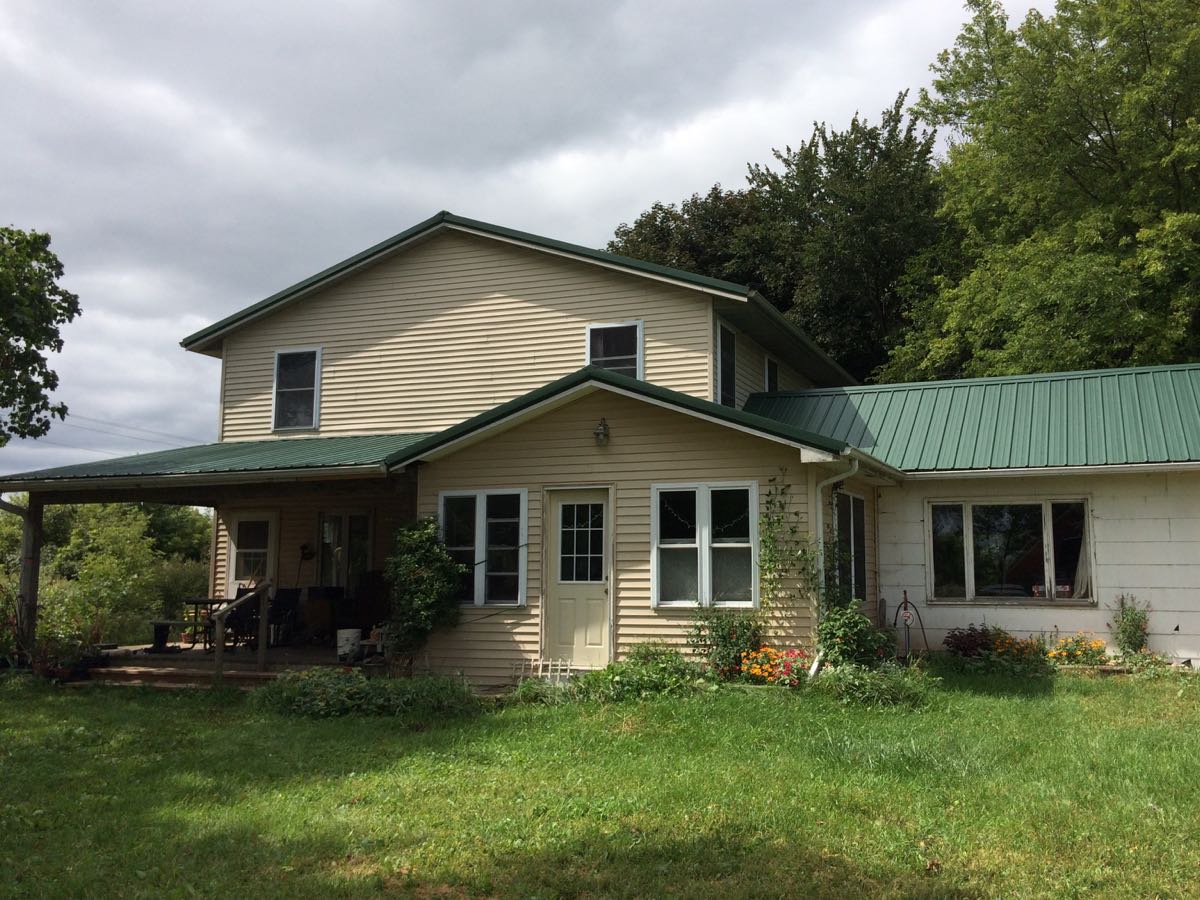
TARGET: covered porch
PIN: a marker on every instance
(301, 529)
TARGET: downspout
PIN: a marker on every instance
(821, 485)
(820, 528)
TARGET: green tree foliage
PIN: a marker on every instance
(1074, 177)
(425, 585)
(840, 234)
(846, 217)
(32, 307)
(107, 569)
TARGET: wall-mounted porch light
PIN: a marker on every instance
(600, 432)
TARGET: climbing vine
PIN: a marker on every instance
(785, 555)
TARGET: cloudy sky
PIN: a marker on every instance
(190, 159)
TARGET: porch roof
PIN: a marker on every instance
(1059, 421)
(278, 459)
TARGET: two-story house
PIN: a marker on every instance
(599, 438)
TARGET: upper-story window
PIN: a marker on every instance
(297, 388)
(726, 367)
(771, 375)
(617, 347)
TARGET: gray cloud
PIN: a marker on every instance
(189, 160)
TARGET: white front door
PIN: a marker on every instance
(577, 599)
(251, 550)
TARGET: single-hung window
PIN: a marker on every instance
(617, 348)
(1022, 550)
(704, 538)
(485, 531)
(297, 388)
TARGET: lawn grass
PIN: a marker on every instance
(1076, 787)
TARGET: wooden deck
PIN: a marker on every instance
(279, 659)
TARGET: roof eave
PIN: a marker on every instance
(254, 476)
(203, 341)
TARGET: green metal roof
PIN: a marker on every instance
(285, 455)
(1098, 418)
(443, 219)
(593, 374)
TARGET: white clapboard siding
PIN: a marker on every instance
(454, 326)
(1146, 531)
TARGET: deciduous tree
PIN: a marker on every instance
(32, 308)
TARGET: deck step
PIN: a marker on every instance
(176, 676)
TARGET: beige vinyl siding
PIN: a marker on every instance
(750, 367)
(454, 326)
(790, 380)
(648, 445)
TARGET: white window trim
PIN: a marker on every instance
(231, 529)
(703, 543)
(1047, 550)
(641, 342)
(767, 360)
(718, 380)
(480, 573)
(854, 592)
(316, 423)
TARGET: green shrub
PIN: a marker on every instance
(538, 692)
(995, 651)
(887, 684)
(651, 670)
(848, 637)
(325, 692)
(1130, 624)
(425, 581)
(722, 636)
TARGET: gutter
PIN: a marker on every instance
(1112, 469)
(103, 482)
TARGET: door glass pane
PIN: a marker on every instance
(250, 549)
(358, 548)
(677, 517)
(1072, 575)
(581, 542)
(253, 534)
(678, 575)
(732, 574)
(949, 561)
(1009, 550)
(333, 552)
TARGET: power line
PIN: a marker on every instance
(178, 437)
(107, 453)
(120, 435)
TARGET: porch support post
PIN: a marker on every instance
(31, 563)
(264, 627)
(218, 649)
